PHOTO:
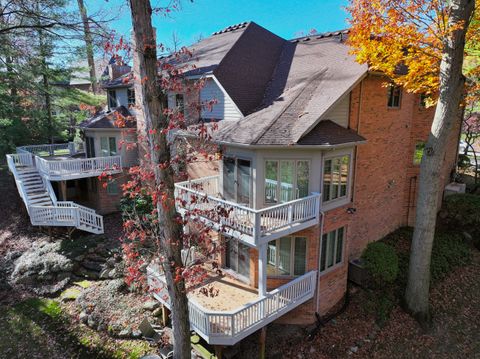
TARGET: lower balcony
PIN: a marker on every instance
(237, 310)
(60, 162)
(254, 227)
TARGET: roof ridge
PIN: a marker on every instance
(232, 28)
(319, 36)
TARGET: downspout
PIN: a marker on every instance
(317, 294)
(358, 132)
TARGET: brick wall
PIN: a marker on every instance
(103, 201)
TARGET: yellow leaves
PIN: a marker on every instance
(409, 34)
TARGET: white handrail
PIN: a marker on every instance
(257, 223)
(49, 149)
(231, 326)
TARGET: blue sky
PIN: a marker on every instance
(203, 17)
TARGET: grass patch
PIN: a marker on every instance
(40, 328)
(71, 293)
(84, 284)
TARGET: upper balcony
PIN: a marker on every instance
(254, 227)
(60, 162)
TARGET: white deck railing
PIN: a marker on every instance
(254, 226)
(229, 327)
(78, 167)
(47, 150)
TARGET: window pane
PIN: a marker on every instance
(300, 256)
(327, 180)
(271, 178)
(324, 252)
(243, 260)
(330, 248)
(284, 256)
(286, 181)
(272, 258)
(344, 175)
(231, 255)
(104, 146)
(339, 253)
(335, 179)
(243, 182)
(113, 146)
(302, 178)
(229, 178)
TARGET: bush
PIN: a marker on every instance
(449, 251)
(381, 261)
(462, 211)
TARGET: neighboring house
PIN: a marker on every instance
(319, 159)
(57, 182)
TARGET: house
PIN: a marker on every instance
(59, 183)
(318, 159)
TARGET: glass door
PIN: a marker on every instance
(237, 257)
(236, 180)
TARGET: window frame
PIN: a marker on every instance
(292, 257)
(295, 178)
(236, 158)
(391, 97)
(108, 141)
(339, 201)
(112, 98)
(335, 265)
(130, 97)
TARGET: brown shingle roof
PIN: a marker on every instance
(328, 133)
(107, 119)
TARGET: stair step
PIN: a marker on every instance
(37, 186)
(43, 194)
(41, 200)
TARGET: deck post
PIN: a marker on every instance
(63, 190)
(218, 351)
(263, 339)
(262, 269)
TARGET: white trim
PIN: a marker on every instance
(335, 265)
(341, 201)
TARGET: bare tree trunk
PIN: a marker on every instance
(46, 85)
(87, 35)
(446, 114)
(152, 102)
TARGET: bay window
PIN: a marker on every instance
(332, 249)
(287, 256)
(286, 180)
(336, 173)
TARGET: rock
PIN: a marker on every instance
(354, 349)
(105, 273)
(71, 293)
(91, 322)
(151, 305)
(151, 356)
(136, 334)
(43, 266)
(83, 272)
(83, 317)
(312, 350)
(92, 265)
(79, 258)
(468, 237)
(116, 286)
(125, 333)
(102, 327)
(111, 262)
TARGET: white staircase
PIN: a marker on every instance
(41, 202)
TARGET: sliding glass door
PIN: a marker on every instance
(237, 257)
(237, 180)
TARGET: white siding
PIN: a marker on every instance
(340, 112)
(224, 109)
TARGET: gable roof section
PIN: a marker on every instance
(106, 120)
(312, 75)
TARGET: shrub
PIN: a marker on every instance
(381, 262)
(449, 251)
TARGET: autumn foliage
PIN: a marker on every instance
(404, 39)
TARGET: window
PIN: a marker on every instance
(112, 188)
(394, 94)
(332, 249)
(336, 172)
(418, 154)
(179, 103)
(287, 256)
(112, 99)
(237, 180)
(286, 180)
(108, 146)
(131, 97)
(90, 142)
(423, 100)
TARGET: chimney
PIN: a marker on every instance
(115, 71)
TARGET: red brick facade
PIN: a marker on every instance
(384, 187)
